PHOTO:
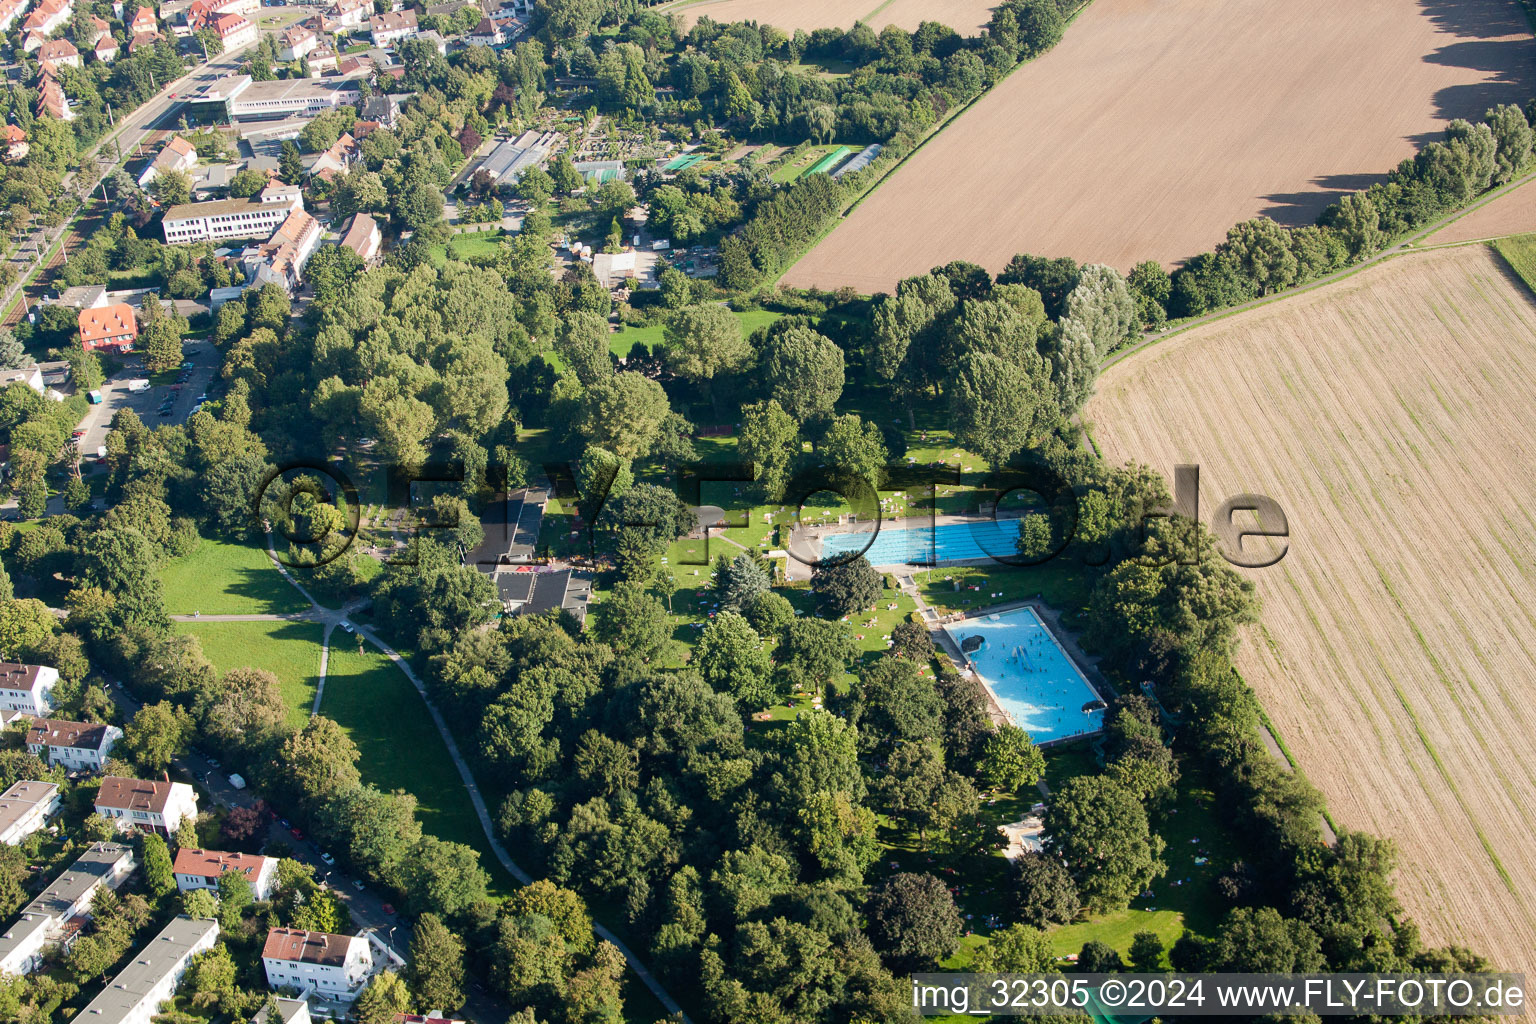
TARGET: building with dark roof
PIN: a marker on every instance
(76, 746)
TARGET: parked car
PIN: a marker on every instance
(357, 883)
(296, 833)
(388, 908)
(327, 859)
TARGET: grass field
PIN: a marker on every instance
(1153, 128)
(289, 650)
(1386, 414)
(383, 714)
(1519, 251)
(228, 578)
(466, 245)
(964, 16)
(620, 344)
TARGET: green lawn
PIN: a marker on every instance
(1519, 251)
(620, 343)
(289, 650)
(467, 245)
(228, 578)
(789, 170)
(382, 713)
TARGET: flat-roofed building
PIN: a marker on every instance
(151, 977)
(289, 1011)
(76, 746)
(25, 808)
(47, 918)
(27, 688)
(237, 97)
(202, 869)
(31, 376)
(221, 219)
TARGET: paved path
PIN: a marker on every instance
(332, 618)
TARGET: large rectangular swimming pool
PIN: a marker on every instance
(1033, 679)
(922, 543)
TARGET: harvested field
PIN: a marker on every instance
(1512, 213)
(1155, 126)
(1385, 413)
(964, 16)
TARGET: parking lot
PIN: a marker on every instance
(147, 404)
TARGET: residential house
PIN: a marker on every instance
(342, 155)
(99, 27)
(48, 16)
(202, 869)
(235, 31)
(52, 101)
(85, 296)
(57, 53)
(280, 260)
(10, 10)
(106, 49)
(176, 155)
(386, 29)
(487, 33)
(321, 60)
(527, 591)
(151, 977)
(15, 143)
(221, 219)
(346, 14)
(58, 911)
(77, 746)
(144, 803)
(143, 21)
(334, 967)
(31, 376)
(383, 107)
(27, 688)
(110, 327)
(143, 40)
(25, 808)
(363, 237)
(438, 42)
(297, 41)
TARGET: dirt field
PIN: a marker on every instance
(964, 16)
(1513, 213)
(1155, 125)
(1386, 414)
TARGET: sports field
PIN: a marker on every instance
(964, 16)
(1387, 415)
(1153, 127)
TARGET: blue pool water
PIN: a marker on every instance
(925, 543)
(1033, 679)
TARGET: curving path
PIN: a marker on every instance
(332, 619)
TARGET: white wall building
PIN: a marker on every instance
(176, 155)
(77, 746)
(151, 977)
(231, 218)
(27, 687)
(47, 918)
(331, 966)
(202, 869)
(25, 808)
(141, 803)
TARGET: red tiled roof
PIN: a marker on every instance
(213, 863)
(108, 322)
(133, 794)
(56, 732)
(307, 947)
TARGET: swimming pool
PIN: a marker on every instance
(924, 543)
(1033, 679)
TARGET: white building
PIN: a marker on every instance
(76, 746)
(330, 966)
(345, 14)
(235, 31)
(289, 1011)
(50, 917)
(386, 29)
(220, 219)
(151, 977)
(139, 803)
(176, 155)
(280, 260)
(297, 42)
(201, 869)
(25, 808)
(31, 376)
(363, 237)
(27, 687)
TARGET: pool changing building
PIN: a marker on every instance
(135, 995)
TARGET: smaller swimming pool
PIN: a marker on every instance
(924, 544)
(1033, 679)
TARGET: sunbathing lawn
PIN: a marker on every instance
(381, 712)
(289, 650)
(620, 343)
(224, 577)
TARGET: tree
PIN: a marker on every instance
(913, 921)
(171, 188)
(623, 414)
(1263, 249)
(1099, 830)
(12, 354)
(846, 587)
(1146, 952)
(158, 874)
(731, 658)
(815, 652)
(161, 342)
(1098, 957)
(739, 580)
(243, 824)
(912, 640)
(893, 700)
(157, 733)
(211, 976)
(290, 163)
(383, 998)
(803, 371)
(199, 903)
(704, 343)
(331, 271)
(853, 446)
(234, 896)
(633, 621)
(437, 965)
(247, 183)
(998, 405)
(1011, 760)
(582, 344)
(1017, 949)
(1513, 137)
(768, 612)
(418, 205)
(317, 761)
(440, 877)
(249, 712)
(563, 908)
(769, 439)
